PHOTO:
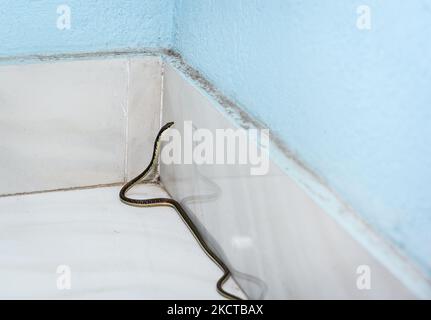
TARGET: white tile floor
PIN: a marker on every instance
(114, 251)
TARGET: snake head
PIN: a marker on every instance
(167, 126)
(163, 129)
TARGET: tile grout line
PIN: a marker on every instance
(106, 185)
(126, 116)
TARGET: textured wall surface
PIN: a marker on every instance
(30, 26)
(353, 104)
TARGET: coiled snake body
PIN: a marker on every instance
(182, 213)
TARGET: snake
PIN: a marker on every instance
(169, 202)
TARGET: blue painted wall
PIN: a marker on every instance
(30, 26)
(355, 105)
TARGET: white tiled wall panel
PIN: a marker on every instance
(143, 113)
(64, 124)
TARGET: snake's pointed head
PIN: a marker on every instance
(169, 124)
(166, 127)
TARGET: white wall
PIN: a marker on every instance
(76, 123)
(276, 237)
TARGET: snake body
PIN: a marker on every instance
(182, 213)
